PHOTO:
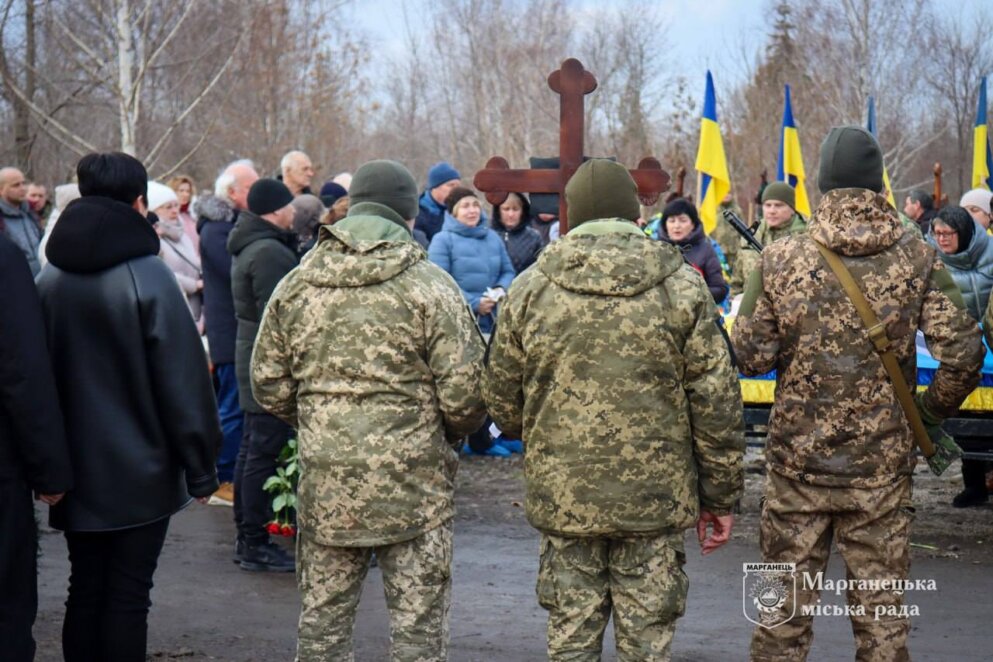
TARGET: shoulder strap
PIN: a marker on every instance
(881, 342)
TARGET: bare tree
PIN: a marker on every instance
(961, 54)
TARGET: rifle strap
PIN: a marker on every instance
(881, 343)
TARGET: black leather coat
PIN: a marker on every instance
(140, 415)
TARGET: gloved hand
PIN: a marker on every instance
(946, 450)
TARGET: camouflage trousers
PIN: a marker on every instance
(581, 581)
(417, 582)
(871, 529)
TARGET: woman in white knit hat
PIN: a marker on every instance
(177, 250)
(977, 203)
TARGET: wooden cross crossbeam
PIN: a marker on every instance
(571, 82)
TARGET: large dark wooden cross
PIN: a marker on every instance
(571, 82)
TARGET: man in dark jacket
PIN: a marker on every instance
(16, 219)
(442, 178)
(216, 217)
(33, 452)
(140, 416)
(262, 246)
(919, 207)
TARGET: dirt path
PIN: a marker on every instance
(205, 608)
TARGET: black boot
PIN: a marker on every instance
(974, 482)
(971, 497)
(267, 557)
(239, 549)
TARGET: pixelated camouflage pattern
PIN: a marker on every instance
(871, 530)
(417, 582)
(640, 581)
(727, 237)
(609, 363)
(749, 258)
(370, 352)
(836, 420)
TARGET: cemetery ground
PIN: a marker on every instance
(206, 608)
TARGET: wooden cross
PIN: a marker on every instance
(571, 82)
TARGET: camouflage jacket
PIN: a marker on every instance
(748, 258)
(726, 236)
(609, 362)
(370, 352)
(836, 420)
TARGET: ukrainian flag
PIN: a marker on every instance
(982, 160)
(870, 125)
(789, 169)
(710, 161)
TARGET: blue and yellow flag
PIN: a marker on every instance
(870, 125)
(789, 169)
(710, 161)
(982, 159)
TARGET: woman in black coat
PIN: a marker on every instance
(512, 221)
(682, 228)
(140, 417)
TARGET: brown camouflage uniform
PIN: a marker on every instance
(369, 350)
(748, 258)
(608, 362)
(839, 448)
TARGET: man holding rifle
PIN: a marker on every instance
(841, 440)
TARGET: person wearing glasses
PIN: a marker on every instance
(967, 252)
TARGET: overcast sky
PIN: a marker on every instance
(703, 33)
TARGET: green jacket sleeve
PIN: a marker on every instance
(714, 394)
(755, 334)
(273, 385)
(455, 358)
(503, 381)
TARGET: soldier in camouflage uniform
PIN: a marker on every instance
(840, 452)
(779, 219)
(726, 236)
(609, 363)
(370, 352)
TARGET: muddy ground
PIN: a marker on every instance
(205, 608)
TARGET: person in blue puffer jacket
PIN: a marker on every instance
(474, 255)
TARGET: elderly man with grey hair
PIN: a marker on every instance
(297, 172)
(16, 220)
(216, 216)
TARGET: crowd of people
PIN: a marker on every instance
(170, 341)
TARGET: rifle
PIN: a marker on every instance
(742, 229)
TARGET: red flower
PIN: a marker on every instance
(273, 528)
(288, 530)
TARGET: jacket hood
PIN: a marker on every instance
(96, 233)
(476, 231)
(611, 257)
(212, 208)
(251, 228)
(854, 222)
(359, 251)
(970, 258)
